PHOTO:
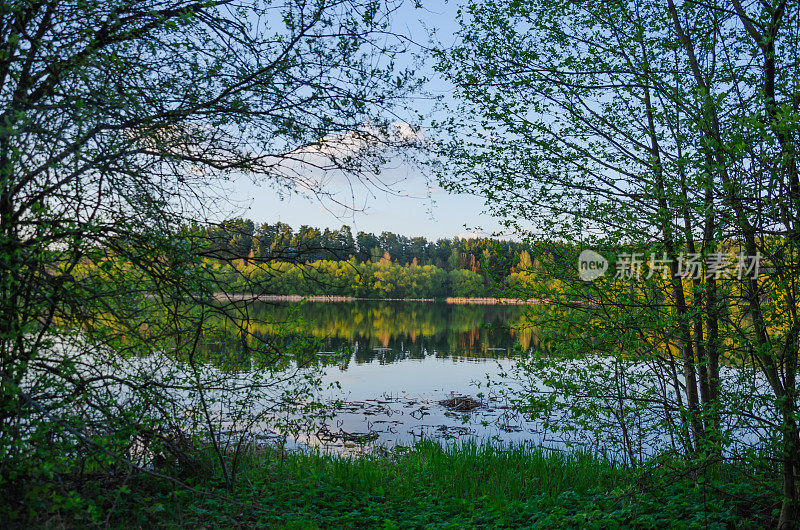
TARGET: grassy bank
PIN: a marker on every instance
(426, 487)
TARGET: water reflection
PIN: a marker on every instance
(395, 362)
(387, 368)
(390, 332)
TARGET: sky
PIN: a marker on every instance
(414, 207)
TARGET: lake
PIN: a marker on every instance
(396, 362)
(395, 370)
(392, 373)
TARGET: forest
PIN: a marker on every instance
(274, 259)
(145, 382)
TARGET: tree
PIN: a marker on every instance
(263, 239)
(466, 283)
(366, 242)
(232, 239)
(345, 243)
(120, 124)
(524, 261)
(308, 244)
(395, 245)
(454, 260)
(282, 244)
(418, 249)
(665, 130)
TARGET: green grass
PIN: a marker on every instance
(469, 486)
(467, 471)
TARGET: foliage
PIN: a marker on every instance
(433, 487)
(363, 280)
(242, 239)
(667, 130)
(273, 259)
(121, 123)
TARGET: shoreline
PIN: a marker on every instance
(246, 297)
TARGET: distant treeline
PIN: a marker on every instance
(383, 279)
(277, 259)
(243, 239)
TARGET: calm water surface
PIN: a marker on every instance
(397, 361)
(396, 365)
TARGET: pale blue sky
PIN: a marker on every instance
(416, 206)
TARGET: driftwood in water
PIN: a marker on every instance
(460, 403)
